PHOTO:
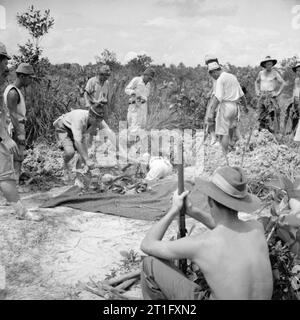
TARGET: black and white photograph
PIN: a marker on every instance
(149, 151)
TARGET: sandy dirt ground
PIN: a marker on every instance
(54, 258)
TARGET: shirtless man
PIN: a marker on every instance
(233, 255)
(265, 87)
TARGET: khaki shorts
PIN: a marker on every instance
(64, 136)
(226, 118)
(7, 171)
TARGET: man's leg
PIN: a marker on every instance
(162, 281)
(10, 191)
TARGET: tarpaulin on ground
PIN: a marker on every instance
(149, 205)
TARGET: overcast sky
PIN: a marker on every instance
(241, 32)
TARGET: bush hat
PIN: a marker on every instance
(3, 51)
(25, 68)
(268, 59)
(213, 66)
(296, 66)
(228, 186)
(149, 72)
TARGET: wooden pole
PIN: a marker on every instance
(182, 227)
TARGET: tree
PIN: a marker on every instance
(110, 58)
(37, 24)
(140, 63)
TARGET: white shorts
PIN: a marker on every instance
(225, 118)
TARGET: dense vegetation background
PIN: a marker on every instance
(60, 87)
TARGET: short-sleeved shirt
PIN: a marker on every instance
(269, 81)
(77, 122)
(97, 91)
(228, 88)
(138, 87)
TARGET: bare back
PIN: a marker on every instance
(235, 262)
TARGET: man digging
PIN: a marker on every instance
(9, 150)
(72, 128)
(233, 255)
(15, 103)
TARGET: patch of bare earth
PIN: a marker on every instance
(53, 259)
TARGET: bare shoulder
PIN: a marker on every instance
(13, 94)
(12, 97)
(256, 225)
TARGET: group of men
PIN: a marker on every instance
(223, 111)
(233, 254)
(74, 129)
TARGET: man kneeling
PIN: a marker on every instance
(233, 255)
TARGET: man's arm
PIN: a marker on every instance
(214, 104)
(131, 87)
(87, 94)
(282, 84)
(12, 105)
(201, 216)
(257, 85)
(184, 248)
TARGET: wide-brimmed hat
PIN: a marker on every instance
(105, 69)
(213, 66)
(25, 68)
(268, 59)
(3, 51)
(228, 186)
(296, 66)
(97, 110)
(149, 72)
(210, 57)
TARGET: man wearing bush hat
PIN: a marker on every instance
(266, 85)
(139, 90)
(72, 129)
(97, 89)
(9, 150)
(15, 103)
(232, 255)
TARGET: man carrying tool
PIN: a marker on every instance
(233, 255)
(226, 97)
(9, 150)
(266, 84)
(97, 90)
(139, 90)
(71, 129)
(15, 103)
